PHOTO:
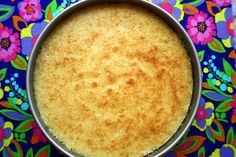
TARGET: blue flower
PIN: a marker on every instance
(170, 6)
(28, 41)
(226, 150)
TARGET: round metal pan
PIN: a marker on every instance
(196, 68)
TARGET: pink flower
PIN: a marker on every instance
(222, 2)
(200, 28)
(9, 44)
(30, 10)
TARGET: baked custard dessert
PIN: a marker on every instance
(113, 80)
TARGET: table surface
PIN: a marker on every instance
(210, 26)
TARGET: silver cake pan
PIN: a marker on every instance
(196, 68)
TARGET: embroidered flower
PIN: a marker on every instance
(200, 28)
(9, 44)
(204, 116)
(170, 6)
(225, 27)
(222, 2)
(33, 31)
(37, 135)
(30, 10)
(5, 133)
(226, 150)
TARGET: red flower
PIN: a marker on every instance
(38, 135)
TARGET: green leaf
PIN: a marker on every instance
(17, 151)
(4, 154)
(227, 67)
(224, 106)
(192, 144)
(24, 93)
(52, 7)
(214, 95)
(230, 136)
(223, 115)
(216, 46)
(13, 115)
(5, 12)
(195, 2)
(233, 77)
(210, 136)
(209, 82)
(30, 153)
(201, 55)
(44, 151)
(16, 135)
(217, 130)
(3, 73)
(22, 136)
(19, 63)
(201, 152)
(24, 126)
(183, 140)
(12, 104)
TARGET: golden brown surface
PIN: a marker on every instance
(113, 80)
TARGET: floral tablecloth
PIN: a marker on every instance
(210, 25)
